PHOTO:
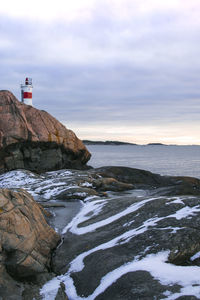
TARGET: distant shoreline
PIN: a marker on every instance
(118, 143)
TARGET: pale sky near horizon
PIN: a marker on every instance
(124, 70)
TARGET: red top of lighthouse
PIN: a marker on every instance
(28, 81)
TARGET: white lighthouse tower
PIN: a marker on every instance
(26, 91)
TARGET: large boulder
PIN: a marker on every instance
(32, 139)
(26, 242)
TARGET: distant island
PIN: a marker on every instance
(88, 142)
(117, 143)
(156, 144)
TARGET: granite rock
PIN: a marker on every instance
(34, 140)
(26, 243)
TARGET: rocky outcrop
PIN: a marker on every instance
(134, 176)
(138, 247)
(139, 243)
(34, 140)
(26, 242)
(142, 179)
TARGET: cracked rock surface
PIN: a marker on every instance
(26, 241)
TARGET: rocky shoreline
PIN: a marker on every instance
(68, 231)
(125, 215)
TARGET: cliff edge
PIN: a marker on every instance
(34, 140)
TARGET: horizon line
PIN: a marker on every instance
(136, 144)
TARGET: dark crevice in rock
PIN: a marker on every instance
(39, 157)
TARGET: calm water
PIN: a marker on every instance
(165, 160)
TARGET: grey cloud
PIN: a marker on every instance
(148, 71)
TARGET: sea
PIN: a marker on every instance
(161, 159)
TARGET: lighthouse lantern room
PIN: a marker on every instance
(26, 91)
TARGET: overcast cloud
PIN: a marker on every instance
(108, 69)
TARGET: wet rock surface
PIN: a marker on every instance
(124, 235)
(34, 140)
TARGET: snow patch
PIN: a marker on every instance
(90, 208)
(195, 256)
(50, 289)
(155, 264)
(17, 179)
(176, 201)
(86, 184)
(73, 227)
(185, 212)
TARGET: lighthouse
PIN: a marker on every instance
(26, 91)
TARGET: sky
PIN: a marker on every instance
(126, 70)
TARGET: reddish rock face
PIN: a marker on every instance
(26, 244)
(26, 239)
(34, 140)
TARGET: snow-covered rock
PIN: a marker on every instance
(140, 243)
